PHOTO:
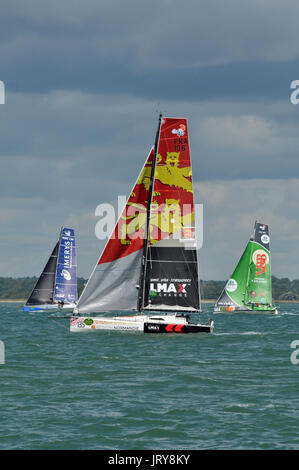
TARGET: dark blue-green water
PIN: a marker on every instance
(234, 389)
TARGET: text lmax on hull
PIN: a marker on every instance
(149, 264)
(249, 288)
(56, 288)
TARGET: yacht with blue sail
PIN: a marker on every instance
(56, 288)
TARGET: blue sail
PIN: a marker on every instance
(65, 288)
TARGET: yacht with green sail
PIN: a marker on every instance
(249, 288)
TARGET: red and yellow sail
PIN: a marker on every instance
(114, 279)
(172, 208)
(172, 201)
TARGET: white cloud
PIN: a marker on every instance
(30, 228)
(230, 210)
(249, 134)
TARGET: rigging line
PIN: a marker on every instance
(141, 292)
(204, 307)
(248, 272)
(191, 274)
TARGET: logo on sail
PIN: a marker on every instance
(180, 131)
(66, 274)
(168, 288)
(169, 171)
(231, 285)
(260, 259)
(265, 239)
(188, 233)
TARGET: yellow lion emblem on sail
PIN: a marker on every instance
(167, 218)
(170, 173)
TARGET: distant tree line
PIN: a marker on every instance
(20, 288)
(282, 289)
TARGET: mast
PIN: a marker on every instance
(141, 287)
(171, 268)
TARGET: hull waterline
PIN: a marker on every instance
(273, 311)
(139, 323)
(49, 308)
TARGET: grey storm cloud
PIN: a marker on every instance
(157, 49)
(71, 138)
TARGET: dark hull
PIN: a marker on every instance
(172, 328)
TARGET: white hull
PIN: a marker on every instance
(239, 310)
(142, 323)
(50, 308)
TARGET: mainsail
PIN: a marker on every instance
(171, 264)
(249, 287)
(65, 286)
(150, 259)
(58, 280)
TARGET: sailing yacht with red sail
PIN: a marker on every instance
(149, 268)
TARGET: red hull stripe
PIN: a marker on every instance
(169, 327)
(178, 328)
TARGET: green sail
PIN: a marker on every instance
(236, 286)
(249, 287)
(258, 290)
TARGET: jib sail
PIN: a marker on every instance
(44, 288)
(113, 282)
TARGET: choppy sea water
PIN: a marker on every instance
(234, 389)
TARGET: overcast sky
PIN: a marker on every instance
(85, 82)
